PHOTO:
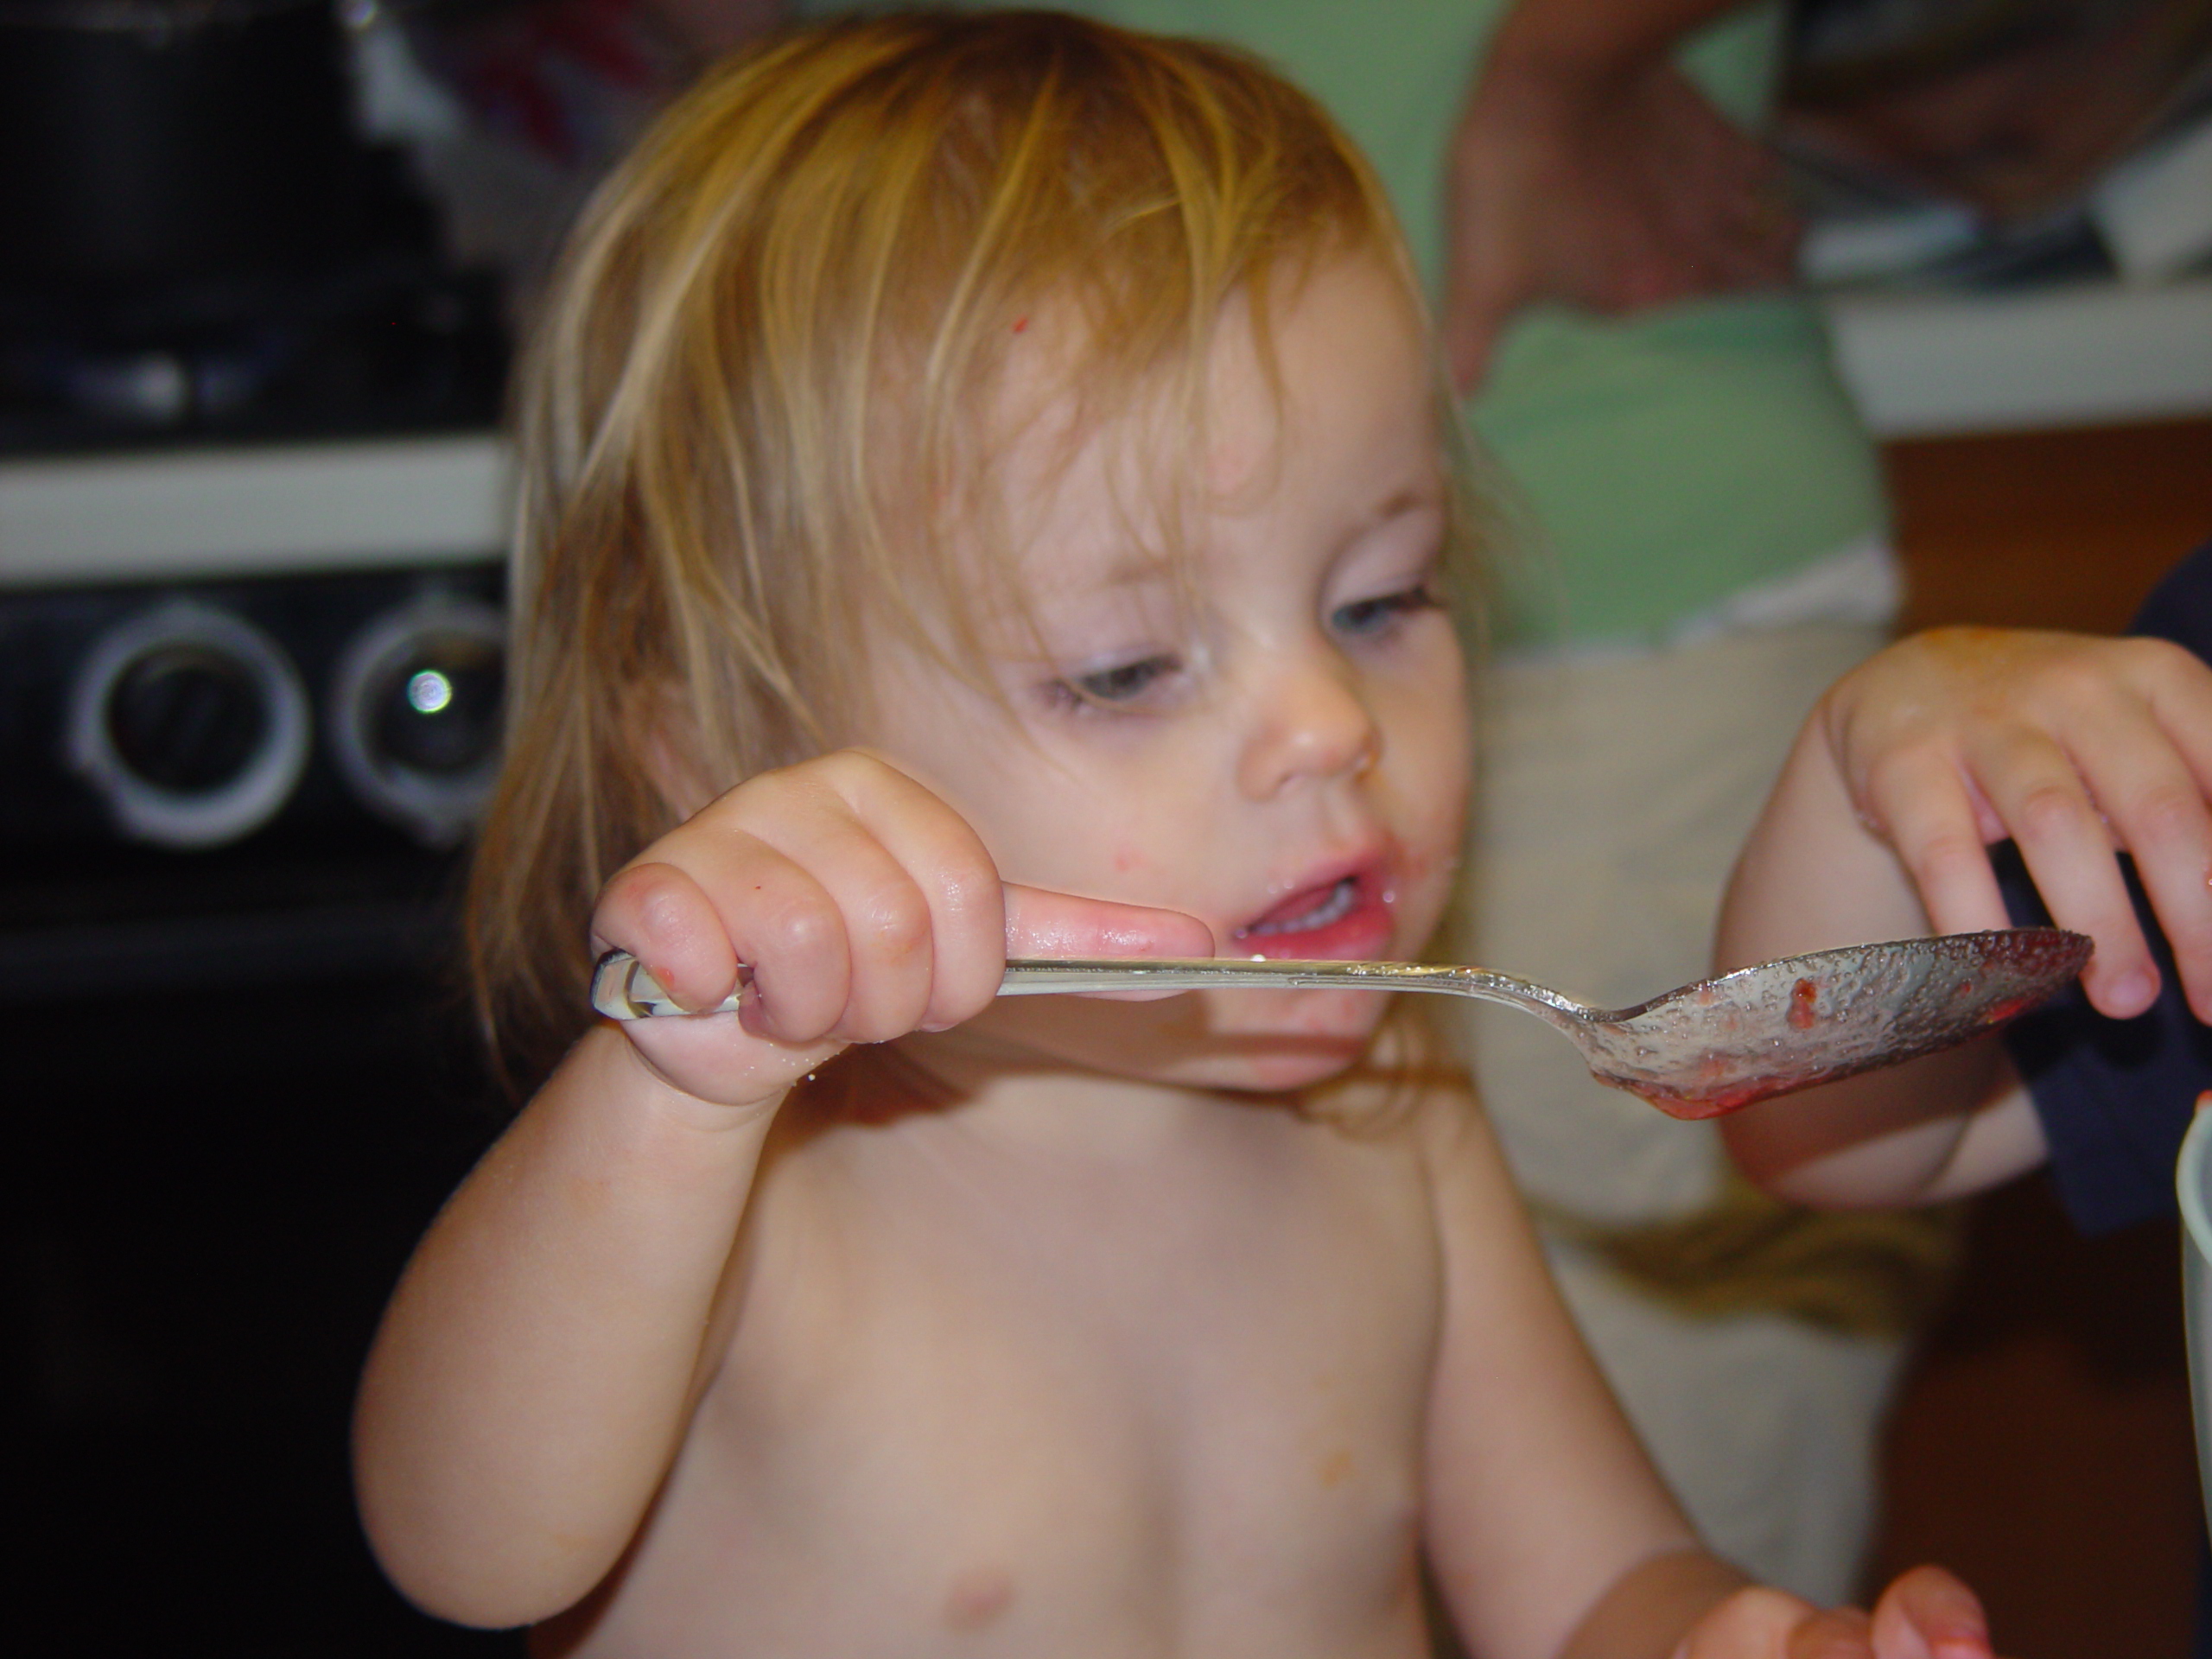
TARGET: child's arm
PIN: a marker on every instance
(2073, 747)
(1548, 1530)
(536, 1369)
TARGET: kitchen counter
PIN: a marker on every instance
(1934, 363)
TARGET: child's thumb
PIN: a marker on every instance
(1042, 923)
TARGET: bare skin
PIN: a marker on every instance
(1058, 1326)
(939, 1385)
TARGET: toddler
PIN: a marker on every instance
(986, 495)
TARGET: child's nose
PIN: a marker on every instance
(1309, 722)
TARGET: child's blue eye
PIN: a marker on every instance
(1123, 683)
(1367, 616)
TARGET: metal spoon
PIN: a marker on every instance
(1696, 1052)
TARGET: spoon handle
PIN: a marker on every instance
(622, 987)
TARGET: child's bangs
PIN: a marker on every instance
(1095, 200)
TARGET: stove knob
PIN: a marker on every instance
(190, 723)
(414, 711)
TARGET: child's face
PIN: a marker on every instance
(1279, 746)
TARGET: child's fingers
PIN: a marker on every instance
(1755, 1623)
(771, 913)
(1929, 1614)
(2044, 803)
(662, 917)
(2178, 871)
(882, 922)
(1919, 800)
(1832, 1633)
(2155, 805)
(936, 937)
(865, 906)
(2176, 685)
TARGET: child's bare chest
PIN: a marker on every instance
(1011, 1400)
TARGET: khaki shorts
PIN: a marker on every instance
(1614, 794)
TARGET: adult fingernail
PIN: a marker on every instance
(2133, 991)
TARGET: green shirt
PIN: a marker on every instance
(1664, 461)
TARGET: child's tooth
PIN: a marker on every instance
(1329, 910)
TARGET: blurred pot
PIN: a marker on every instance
(150, 139)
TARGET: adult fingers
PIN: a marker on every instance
(1480, 296)
(1758, 247)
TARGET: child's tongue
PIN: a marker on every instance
(1304, 911)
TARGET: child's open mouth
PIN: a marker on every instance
(1347, 917)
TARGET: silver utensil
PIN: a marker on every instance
(1695, 1051)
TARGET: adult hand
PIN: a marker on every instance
(708, 29)
(1616, 192)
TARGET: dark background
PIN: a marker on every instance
(208, 1197)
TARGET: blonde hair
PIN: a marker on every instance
(763, 366)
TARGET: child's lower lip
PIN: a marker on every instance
(1360, 926)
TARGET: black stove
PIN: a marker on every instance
(253, 518)
(392, 342)
(251, 530)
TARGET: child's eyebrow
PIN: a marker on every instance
(1405, 502)
(1131, 566)
(1411, 498)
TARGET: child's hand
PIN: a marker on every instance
(1925, 1614)
(2071, 745)
(865, 907)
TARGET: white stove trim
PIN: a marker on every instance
(274, 509)
(1919, 363)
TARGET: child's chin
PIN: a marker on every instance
(1256, 1016)
(1280, 1074)
(1276, 1041)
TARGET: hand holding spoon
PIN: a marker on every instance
(1696, 1052)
